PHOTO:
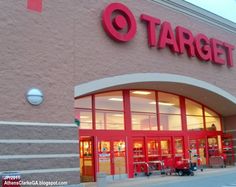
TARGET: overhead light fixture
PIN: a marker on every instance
(115, 99)
(165, 104)
(141, 92)
(118, 115)
(34, 96)
(89, 121)
(161, 103)
(152, 103)
(84, 117)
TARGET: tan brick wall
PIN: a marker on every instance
(48, 152)
(65, 45)
(37, 51)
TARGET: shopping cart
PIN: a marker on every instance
(216, 161)
(168, 166)
(180, 167)
(184, 167)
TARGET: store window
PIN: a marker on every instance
(83, 112)
(144, 104)
(143, 110)
(212, 120)
(109, 111)
(169, 110)
(194, 115)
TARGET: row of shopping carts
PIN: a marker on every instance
(167, 166)
(176, 166)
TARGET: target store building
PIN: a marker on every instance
(120, 86)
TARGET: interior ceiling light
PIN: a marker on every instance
(118, 115)
(161, 103)
(87, 121)
(141, 92)
(115, 99)
(84, 117)
(152, 103)
(165, 104)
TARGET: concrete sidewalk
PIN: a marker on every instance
(158, 179)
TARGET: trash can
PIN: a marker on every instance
(101, 180)
(11, 179)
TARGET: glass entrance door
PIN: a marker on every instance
(153, 149)
(112, 157)
(213, 146)
(197, 151)
(202, 151)
(86, 159)
(119, 158)
(153, 153)
(166, 152)
(178, 152)
(139, 159)
(104, 156)
(193, 150)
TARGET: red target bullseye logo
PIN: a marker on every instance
(119, 22)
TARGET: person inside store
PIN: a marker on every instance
(213, 127)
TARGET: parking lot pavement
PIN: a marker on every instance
(160, 179)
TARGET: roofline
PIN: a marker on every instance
(200, 13)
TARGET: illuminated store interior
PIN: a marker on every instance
(121, 130)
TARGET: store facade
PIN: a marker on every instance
(143, 80)
(132, 123)
(140, 135)
(124, 133)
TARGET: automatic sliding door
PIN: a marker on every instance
(104, 157)
(112, 157)
(119, 155)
